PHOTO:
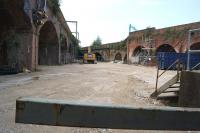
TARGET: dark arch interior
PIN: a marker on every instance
(195, 46)
(125, 59)
(165, 48)
(6, 33)
(99, 57)
(139, 52)
(118, 57)
(48, 52)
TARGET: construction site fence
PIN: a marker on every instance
(144, 60)
(165, 59)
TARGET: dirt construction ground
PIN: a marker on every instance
(102, 83)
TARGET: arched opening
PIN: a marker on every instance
(125, 59)
(99, 57)
(195, 46)
(48, 52)
(165, 48)
(137, 51)
(138, 55)
(118, 57)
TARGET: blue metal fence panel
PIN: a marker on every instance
(166, 59)
(195, 59)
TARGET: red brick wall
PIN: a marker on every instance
(176, 36)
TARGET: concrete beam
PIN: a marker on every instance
(62, 113)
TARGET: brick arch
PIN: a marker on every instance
(195, 46)
(100, 53)
(137, 51)
(51, 17)
(48, 49)
(99, 56)
(165, 48)
(118, 56)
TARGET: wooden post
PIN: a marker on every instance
(157, 76)
(178, 70)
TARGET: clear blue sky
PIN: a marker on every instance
(110, 19)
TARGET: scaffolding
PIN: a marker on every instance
(148, 50)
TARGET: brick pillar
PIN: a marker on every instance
(30, 40)
(34, 58)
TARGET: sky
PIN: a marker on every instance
(110, 19)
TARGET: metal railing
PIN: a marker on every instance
(159, 75)
(198, 64)
(188, 47)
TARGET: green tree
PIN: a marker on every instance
(55, 5)
(97, 42)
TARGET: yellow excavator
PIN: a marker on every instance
(89, 58)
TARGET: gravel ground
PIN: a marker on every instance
(102, 83)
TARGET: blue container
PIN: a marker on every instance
(166, 59)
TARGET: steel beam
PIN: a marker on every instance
(194, 30)
(62, 113)
(194, 51)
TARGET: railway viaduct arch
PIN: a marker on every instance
(29, 38)
(107, 53)
(171, 39)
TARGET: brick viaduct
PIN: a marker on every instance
(32, 34)
(109, 52)
(171, 39)
(27, 43)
